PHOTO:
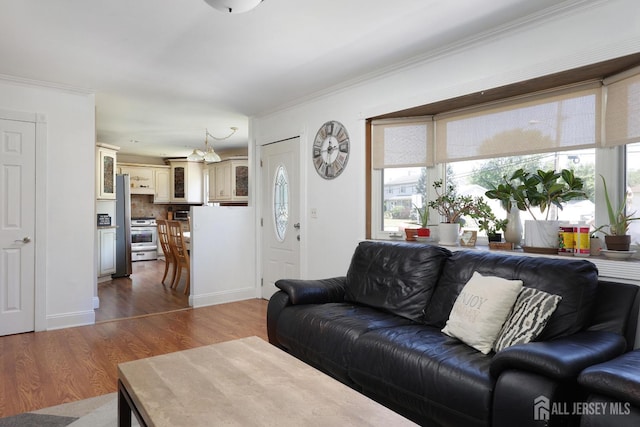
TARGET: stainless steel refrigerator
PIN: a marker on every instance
(123, 227)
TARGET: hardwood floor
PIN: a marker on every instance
(140, 294)
(43, 369)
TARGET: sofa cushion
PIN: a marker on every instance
(529, 316)
(324, 334)
(574, 280)
(481, 309)
(444, 380)
(396, 277)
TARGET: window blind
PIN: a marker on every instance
(622, 108)
(562, 119)
(399, 143)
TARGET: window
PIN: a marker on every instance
(475, 147)
(398, 207)
(475, 177)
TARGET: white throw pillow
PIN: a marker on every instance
(530, 314)
(481, 309)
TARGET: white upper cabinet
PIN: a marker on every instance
(186, 181)
(141, 178)
(106, 171)
(229, 181)
(162, 177)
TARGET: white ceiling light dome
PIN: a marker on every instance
(233, 6)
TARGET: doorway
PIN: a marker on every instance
(17, 226)
(281, 231)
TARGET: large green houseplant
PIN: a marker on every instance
(616, 237)
(540, 190)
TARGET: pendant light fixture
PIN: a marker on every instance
(233, 6)
(209, 155)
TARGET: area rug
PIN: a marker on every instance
(101, 411)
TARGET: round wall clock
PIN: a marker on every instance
(331, 149)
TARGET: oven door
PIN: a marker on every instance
(143, 238)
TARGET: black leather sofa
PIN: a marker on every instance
(614, 392)
(378, 330)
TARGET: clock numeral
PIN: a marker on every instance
(316, 152)
(329, 128)
(344, 147)
(341, 159)
(318, 162)
(330, 171)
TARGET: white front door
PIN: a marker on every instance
(17, 226)
(280, 213)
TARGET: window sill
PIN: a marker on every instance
(627, 271)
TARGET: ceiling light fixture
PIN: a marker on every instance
(233, 6)
(209, 155)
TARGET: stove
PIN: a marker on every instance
(144, 239)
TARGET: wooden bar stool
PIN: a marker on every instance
(180, 253)
(169, 258)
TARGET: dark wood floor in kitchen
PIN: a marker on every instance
(140, 294)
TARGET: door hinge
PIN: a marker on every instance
(261, 222)
(260, 162)
(261, 282)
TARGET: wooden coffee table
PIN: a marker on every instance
(247, 382)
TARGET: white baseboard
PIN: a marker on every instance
(96, 302)
(221, 297)
(68, 320)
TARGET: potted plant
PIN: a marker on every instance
(616, 238)
(453, 207)
(423, 219)
(542, 190)
(493, 227)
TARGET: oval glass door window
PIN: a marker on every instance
(281, 202)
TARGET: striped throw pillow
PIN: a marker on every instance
(529, 316)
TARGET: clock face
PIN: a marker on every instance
(331, 149)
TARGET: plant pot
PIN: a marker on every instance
(411, 234)
(449, 234)
(424, 232)
(618, 243)
(541, 234)
(494, 237)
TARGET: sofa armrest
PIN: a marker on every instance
(563, 358)
(618, 378)
(313, 291)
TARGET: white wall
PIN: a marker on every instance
(69, 265)
(563, 40)
(223, 255)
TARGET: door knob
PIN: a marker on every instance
(26, 239)
(296, 226)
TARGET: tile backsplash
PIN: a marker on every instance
(142, 206)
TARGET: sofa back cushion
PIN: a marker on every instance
(574, 280)
(396, 277)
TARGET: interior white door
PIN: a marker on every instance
(17, 226)
(280, 213)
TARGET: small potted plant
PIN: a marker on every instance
(493, 227)
(616, 238)
(423, 219)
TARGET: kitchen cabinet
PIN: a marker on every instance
(186, 181)
(107, 251)
(162, 177)
(106, 171)
(229, 181)
(141, 178)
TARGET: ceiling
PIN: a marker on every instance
(164, 70)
